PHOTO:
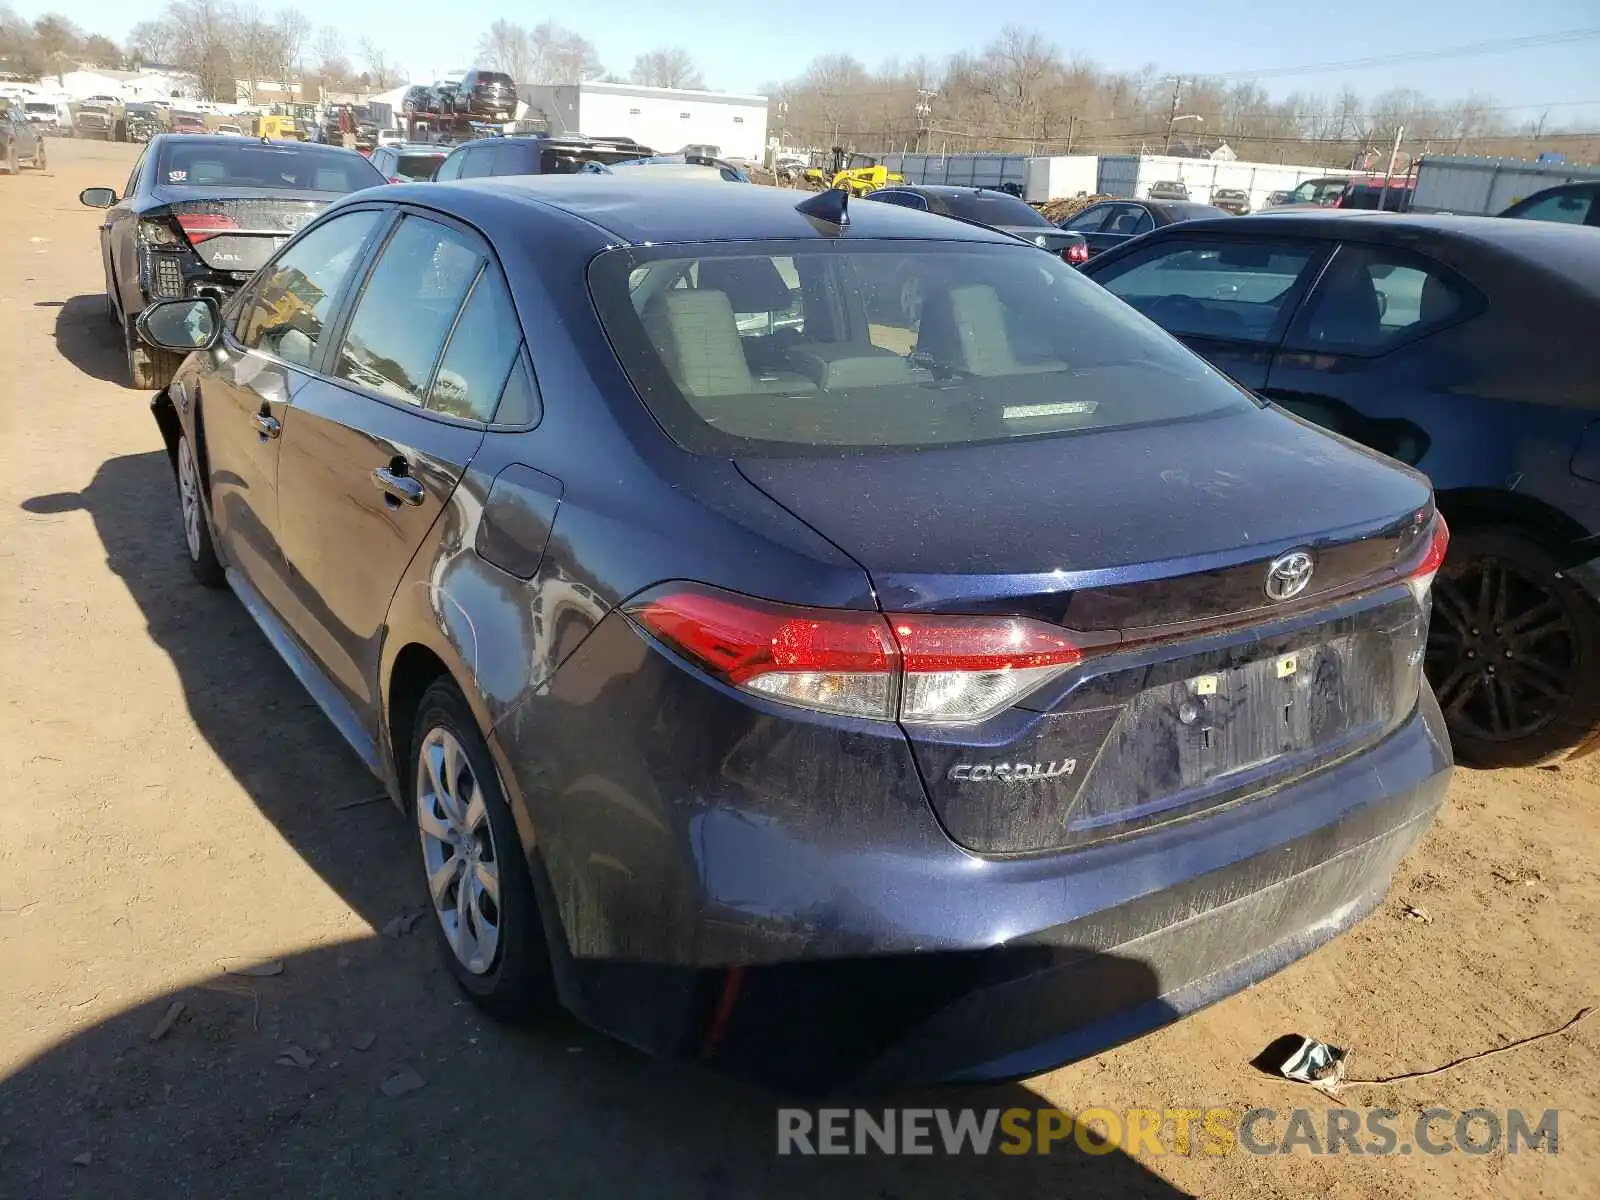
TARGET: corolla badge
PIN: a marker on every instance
(1022, 772)
(1289, 575)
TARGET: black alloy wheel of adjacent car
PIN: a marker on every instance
(1513, 652)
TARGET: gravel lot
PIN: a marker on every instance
(176, 806)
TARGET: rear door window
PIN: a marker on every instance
(1372, 299)
(1091, 219)
(1227, 289)
(483, 345)
(477, 162)
(407, 308)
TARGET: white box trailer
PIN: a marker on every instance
(1132, 174)
(1487, 186)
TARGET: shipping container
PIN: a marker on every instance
(1487, 186)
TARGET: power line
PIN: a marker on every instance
(1498, 46)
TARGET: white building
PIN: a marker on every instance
(128, 86)
(665, 119)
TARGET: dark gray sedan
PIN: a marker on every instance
(1113, 222)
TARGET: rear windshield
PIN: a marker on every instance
(1192, 212)
(829, 347)
(987, 208)
(493, 78)
(251, 164)
(417, 168)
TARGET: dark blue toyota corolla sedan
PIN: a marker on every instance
(776, 677)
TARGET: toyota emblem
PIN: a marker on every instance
(1288, 576)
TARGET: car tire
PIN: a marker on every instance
(502, 960)
(8, 164)
(38, 163)
(203, 561)
(1513, 651)
(149, 369)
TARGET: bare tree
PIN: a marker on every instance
(151, 42)
(507, 47)
(381, 72)
(561, 56)
(293, 29)
(672, 67)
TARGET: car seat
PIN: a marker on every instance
(964, 327)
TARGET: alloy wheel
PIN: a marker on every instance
(1500, 651)
(458, 851)
(189, 497)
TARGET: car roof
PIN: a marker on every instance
(1569, 250)
(203, 139)
(946, 189)
(638, 212)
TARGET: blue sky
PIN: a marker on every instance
(740, 44)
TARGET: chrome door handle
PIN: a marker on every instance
(268, 426)
(401, 487)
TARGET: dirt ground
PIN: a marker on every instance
(176, 806)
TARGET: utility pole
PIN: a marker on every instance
(1172, 114)
(922, 110)
(1389, 169)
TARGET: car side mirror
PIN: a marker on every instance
(181, 325)
(98, 197)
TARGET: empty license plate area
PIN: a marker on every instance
(1198, 730)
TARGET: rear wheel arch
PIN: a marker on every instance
(166, 415)
(415, 670)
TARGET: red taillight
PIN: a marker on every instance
(908, 666)
(1420, 578)
(197, 227)
(1078, 253)
(395, 179)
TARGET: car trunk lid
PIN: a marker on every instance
(1153, 546)
(240, 231)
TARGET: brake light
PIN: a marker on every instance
(1421, 577)
(198, 227)
(1077, 253)
(908, 666)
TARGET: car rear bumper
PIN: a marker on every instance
(815, 954)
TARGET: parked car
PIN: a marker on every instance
(392, 137)
(1231, 200)
(415, 101)
(1112, 222)
(504, 155)
(1168, 189)
(442, 99)
(186, 123)
(990, 207)
(1276, 199)
(201, 214)
(488, 94)
(591, 576)
(1568, 204)
(408, 162)
(100, 118)
(51, 117)
(678, 166)
(1428, 338)
(144, 121)
(1322, 191)
(1393, 195)
(21, 141)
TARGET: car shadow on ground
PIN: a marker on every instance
(275, 1084)
(88, 339)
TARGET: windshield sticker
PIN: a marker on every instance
(177, 176)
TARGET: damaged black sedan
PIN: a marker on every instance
(200, 214)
